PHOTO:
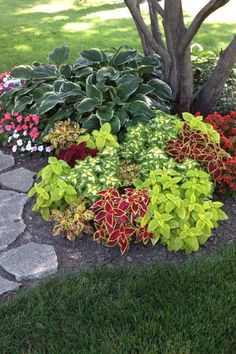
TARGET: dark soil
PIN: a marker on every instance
(85, 253)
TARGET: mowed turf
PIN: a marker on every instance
(164, 308)
(29, 30)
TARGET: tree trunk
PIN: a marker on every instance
(176, 55)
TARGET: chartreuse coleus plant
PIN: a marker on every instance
(119, 87)
(180, 213)
(53, 191)
(99, 139)
(93, 174)
(197, 123)
(115, 217)
(73, 220)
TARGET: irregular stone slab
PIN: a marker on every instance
(19, 179)
(6, 161)
(11, 223)
(6, 285)
(30, 261)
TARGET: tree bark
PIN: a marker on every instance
(176, 54)
(210, 92)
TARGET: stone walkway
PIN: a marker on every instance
(30, 260)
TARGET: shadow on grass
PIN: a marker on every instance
(29, 31)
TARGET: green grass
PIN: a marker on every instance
(29, 30)
(165, 308)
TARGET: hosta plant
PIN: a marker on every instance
(115, 217)
(72, 221)
(120, 88)
(180, 213)
(53, 191)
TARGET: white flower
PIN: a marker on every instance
(14, 148)
(34, 148)
(25, 132)
(15, 136)
(22, 149)
(28, 147)
(48, 149)
(19, 142)
(9, 139)
(40, 148)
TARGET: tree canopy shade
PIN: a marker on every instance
(174, 47)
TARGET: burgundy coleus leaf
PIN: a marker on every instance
(123, 205)
(124, 244)
(97, 205)
(109, 192)
(99, 234)
(142, 235)
(101, 215)
(76, 152)
(121, 235)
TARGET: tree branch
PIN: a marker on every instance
(207, 10)
(147, 34)
(153, 13)
(211, 91)
(158, 8)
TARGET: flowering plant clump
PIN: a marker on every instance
(226, 127)
(7, 82)
(116, 215)
(21, 133)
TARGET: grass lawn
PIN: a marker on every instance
(29, 30)
(165, 308)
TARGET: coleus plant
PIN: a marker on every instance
(75, 152)
(72, 221)
(198, 146)
(121, 88)
(116, 215)
(180, 212)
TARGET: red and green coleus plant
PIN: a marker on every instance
(198, 146)
(76, 152)
(226, 127)
(116, 215)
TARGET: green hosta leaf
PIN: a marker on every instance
(124, 57)
(145, 89)
(107, 73)
(93, 92)
(123, 116)
(127, 85)
(94, 55)
(115, 124)
(162, 90)
(50, 100)
(139, 107)
(87, 105)
(59, 55)
(65, 70)
(145, 69)
(91, 123)
(22, 102)
(44, 71)
(104, 114)
(83, 72)
(22, 72)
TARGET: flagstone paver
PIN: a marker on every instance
(6, 161)
(11, 222)
(19, 179)
(28, 261)
(7, 285)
